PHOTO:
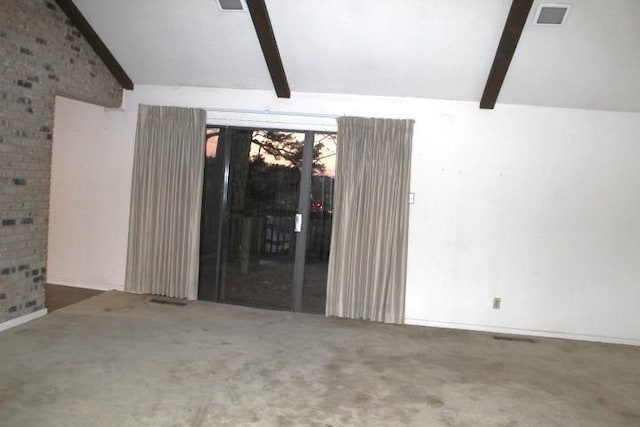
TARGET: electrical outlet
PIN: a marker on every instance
(496, 303)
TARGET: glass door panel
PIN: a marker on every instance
(264, 185)
(319, 223)
(210, 232)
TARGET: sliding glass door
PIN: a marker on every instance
(266, 219)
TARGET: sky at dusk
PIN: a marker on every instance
(327, 153)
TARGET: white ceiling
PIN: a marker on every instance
(415, 48)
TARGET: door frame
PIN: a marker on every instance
(304, 207)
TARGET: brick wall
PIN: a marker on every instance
(42, 54)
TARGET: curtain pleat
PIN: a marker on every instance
(166, 197)
(368, 258)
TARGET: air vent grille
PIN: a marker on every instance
(233, 5)
(516, 339)
(551, 14)
(167, 301)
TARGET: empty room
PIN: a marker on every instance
(319, 213)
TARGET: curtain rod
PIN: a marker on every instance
(273, 113)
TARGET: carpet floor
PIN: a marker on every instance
(121, 360)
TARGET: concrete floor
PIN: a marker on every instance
(118, 360)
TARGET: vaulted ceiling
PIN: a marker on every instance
(439, 49)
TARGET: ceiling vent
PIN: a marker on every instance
(231, 5)
(551, 14)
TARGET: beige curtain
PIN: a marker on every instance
(166, 196)
(367, 263)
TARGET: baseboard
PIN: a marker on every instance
(22, 319)
(518, 331)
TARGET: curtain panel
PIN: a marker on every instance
(368, 258)
(166, 197)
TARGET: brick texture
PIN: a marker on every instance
(41, 55)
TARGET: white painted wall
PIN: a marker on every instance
(536, 205)
(92, 159)
(539, 207)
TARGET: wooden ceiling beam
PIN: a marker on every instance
(506, 49)
(264, 31)
(87, 31)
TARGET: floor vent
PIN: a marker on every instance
(518, 339)
(167, 301)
